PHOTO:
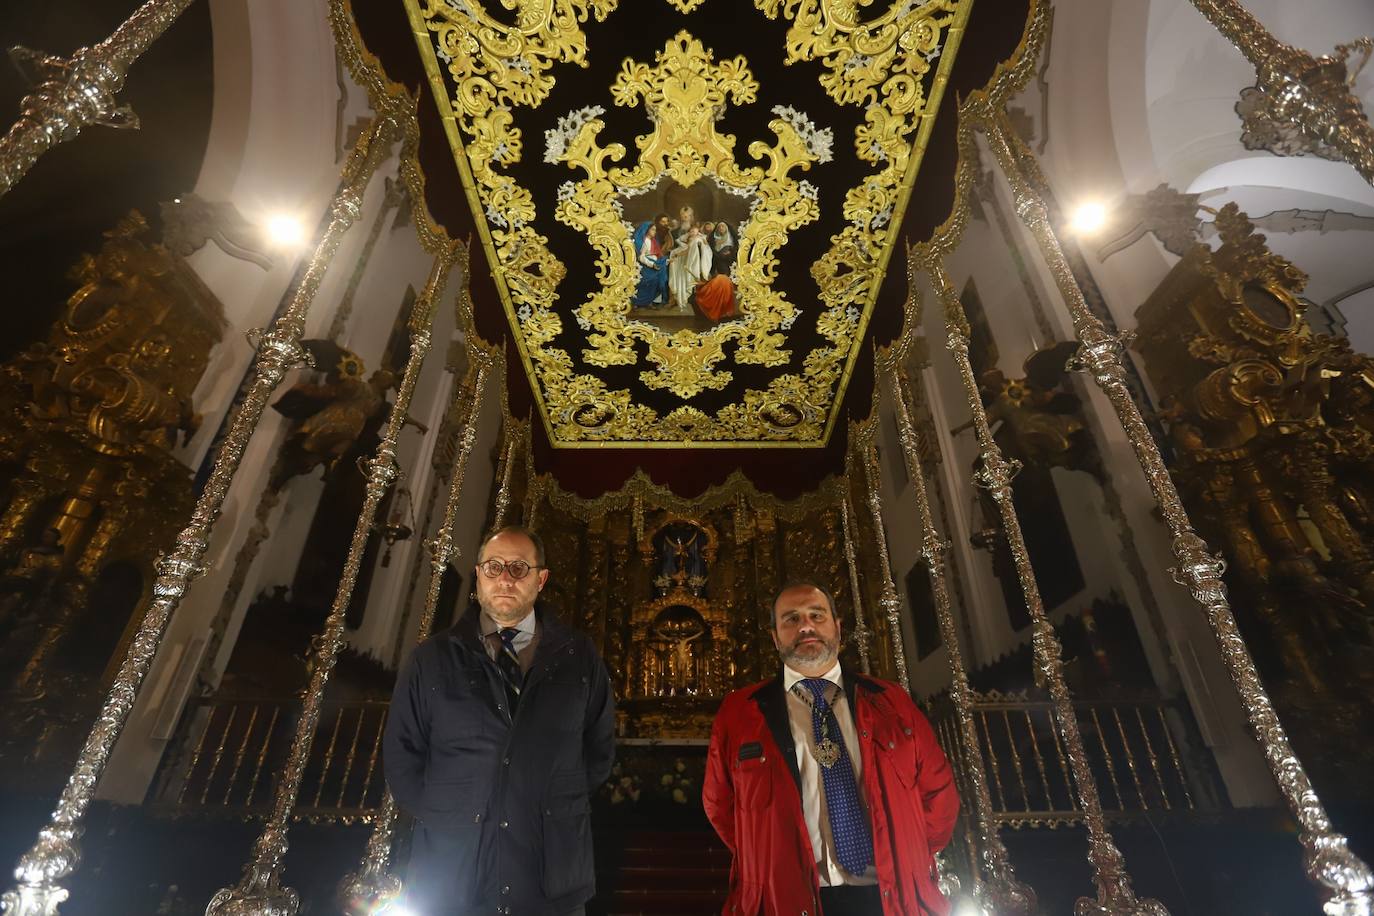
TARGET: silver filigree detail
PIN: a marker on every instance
(74, 93)
(52, 858)
(820, 141)
(260, 892)
(556, 139)
(891, 603)
(372, 884)
(1001, 892)
(1115, 896)
(1347, 880)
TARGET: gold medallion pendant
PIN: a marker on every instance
(827, 753)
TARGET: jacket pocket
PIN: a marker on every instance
(754, 783)
(453, 804)
(897, 752)
(563, 701)
(568, 847)
(462, 712)
(443, 868)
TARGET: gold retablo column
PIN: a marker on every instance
(892, 604)
(1328, 859)
(372, 888)
(56, 854)
(1002, 893)
(1316, 94)
(260, 891)
(1114, 894)
(862, 637)
(74, 93)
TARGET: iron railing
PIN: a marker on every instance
(1142, 751)
(236, 746)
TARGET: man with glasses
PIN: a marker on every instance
(500, 729)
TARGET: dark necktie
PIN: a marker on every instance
(848, 820)
(508, 660)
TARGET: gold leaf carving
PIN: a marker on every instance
(684, 95)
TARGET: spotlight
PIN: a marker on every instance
(285, 231)
(967, 906)
(1088, 218)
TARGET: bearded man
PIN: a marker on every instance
(828, 786)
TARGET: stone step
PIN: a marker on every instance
(662, 873)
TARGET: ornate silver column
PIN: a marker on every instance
(1329, 862)
(395, 196)
(1002, 893)
(372, 887)
(534, 494)
(56, 855)
(1114, 894)
(1313, 94)
(74, 93)
(862, 637)
(503, 494)
(891, 603)
(260, 891)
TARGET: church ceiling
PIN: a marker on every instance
(817, 133)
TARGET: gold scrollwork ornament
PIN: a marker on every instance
(684, 95)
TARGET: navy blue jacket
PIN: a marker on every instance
(502, 805)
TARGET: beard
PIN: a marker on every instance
(505, 612)
(811, 654)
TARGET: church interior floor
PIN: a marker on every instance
(135, 864)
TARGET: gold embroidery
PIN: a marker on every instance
(497, 68)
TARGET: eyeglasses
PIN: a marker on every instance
(518, 569)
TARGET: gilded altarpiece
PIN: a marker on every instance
(88, 423)
(1272, 428)
(679, 600)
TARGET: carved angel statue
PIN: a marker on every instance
(332, 416)
(1038, 418)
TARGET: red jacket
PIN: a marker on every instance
(752, 795)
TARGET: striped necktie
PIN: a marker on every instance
(508, 660)
(848, 819)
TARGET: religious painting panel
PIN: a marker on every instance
(685, 242)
